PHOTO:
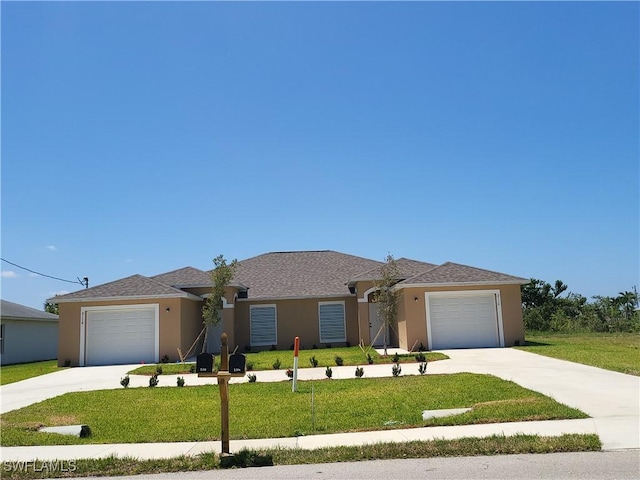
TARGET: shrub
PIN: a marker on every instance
(249, 366)
(276, 364)
(125, 381)
(328, 345)
(246, 458)
(192, 369)
(421, 347)
(158, 370)
(420, 358)
(359, 372)
(153, 380)
(315, 347)
(165, 359)
(313, 361)
(396, 358)
(67, 363)
(422, 368)
(369, 359)
(289, 373)
(180, 381)
(328, 372)
(396, 370)
(252, 377)
(274, 348)
(339, 361)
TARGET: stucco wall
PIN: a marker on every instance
(298, 317)
(29, 341)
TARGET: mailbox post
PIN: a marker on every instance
(223, 375)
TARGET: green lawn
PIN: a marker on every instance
(262, 410)
(613, 351)
(22, 371)
(353, 356)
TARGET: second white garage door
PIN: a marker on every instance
(463, 320)
(121, 335)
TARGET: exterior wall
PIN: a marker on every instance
(364, 334)
(295, 318)
(176, 325)
(412, 315)
(29, 341)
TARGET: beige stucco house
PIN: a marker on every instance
(323, 297)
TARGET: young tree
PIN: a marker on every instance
(51, 308)
(221, 277)
(386, 297)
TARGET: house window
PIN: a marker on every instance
(263, 325)
(1, 339)
(332, 322)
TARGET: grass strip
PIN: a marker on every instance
(619, 352)
(494, 445)
(325, 357)
(23, 371)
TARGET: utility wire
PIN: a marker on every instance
(84, 283)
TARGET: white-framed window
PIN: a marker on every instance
(331, 319)
(264, 321)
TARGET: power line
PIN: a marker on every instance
(84, 282)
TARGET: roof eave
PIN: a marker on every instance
(29, 319)
(186, 295)
(460, 284)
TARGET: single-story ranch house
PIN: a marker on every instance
(324, 297)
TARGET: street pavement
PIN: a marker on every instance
(610, 398)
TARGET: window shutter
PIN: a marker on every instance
(332, 323)
(263, 325)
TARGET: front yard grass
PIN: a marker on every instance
(22, 371)
(612, 351)
(265, 410)
(351, 356)
(494, 445)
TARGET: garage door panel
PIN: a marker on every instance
(463, 321)
(117, 336)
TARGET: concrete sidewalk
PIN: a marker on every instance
(610, 398)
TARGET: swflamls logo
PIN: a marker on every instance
(51, 466)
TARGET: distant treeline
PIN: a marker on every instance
(545, 308)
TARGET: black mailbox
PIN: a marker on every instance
(204, 363)
(237, 363)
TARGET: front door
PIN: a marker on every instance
(376, 332)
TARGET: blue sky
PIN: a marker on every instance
(144, 137)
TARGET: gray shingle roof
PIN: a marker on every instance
(461, 274)
(133, 286)
(407, 268)
(16, 311)
(184, 277)
(300, 274)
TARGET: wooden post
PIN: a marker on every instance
(223, 385)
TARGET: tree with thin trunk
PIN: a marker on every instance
(386, 297)
(221, 277)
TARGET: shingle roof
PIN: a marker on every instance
(461, 274)
(184, 277)
(17, 311)
(406, 268)
(300, 274)
(133, 286)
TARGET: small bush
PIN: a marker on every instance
(246, 458)
(153, 380)
(420, 358)
(125, 381)
(276, 364)
(328, 345)
(328, 372)
(192, 369)
(339, 361)
(180, 381)
(252, 377)
(396, 370)
(249, 366)
(274, 348)
(315, 347)
(158, 370)
(165, 359)
(313, 361)
(289, 373)
(422, 368)
(396, 358)
(359, 372)
(369, 359)
(421, 348)
(67, 363)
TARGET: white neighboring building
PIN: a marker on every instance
(26, 334)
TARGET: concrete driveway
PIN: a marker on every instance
(611, 398)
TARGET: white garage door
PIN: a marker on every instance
(458, 320)
(121, 335)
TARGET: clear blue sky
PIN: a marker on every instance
(144, 137)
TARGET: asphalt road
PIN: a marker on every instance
(618, 465)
